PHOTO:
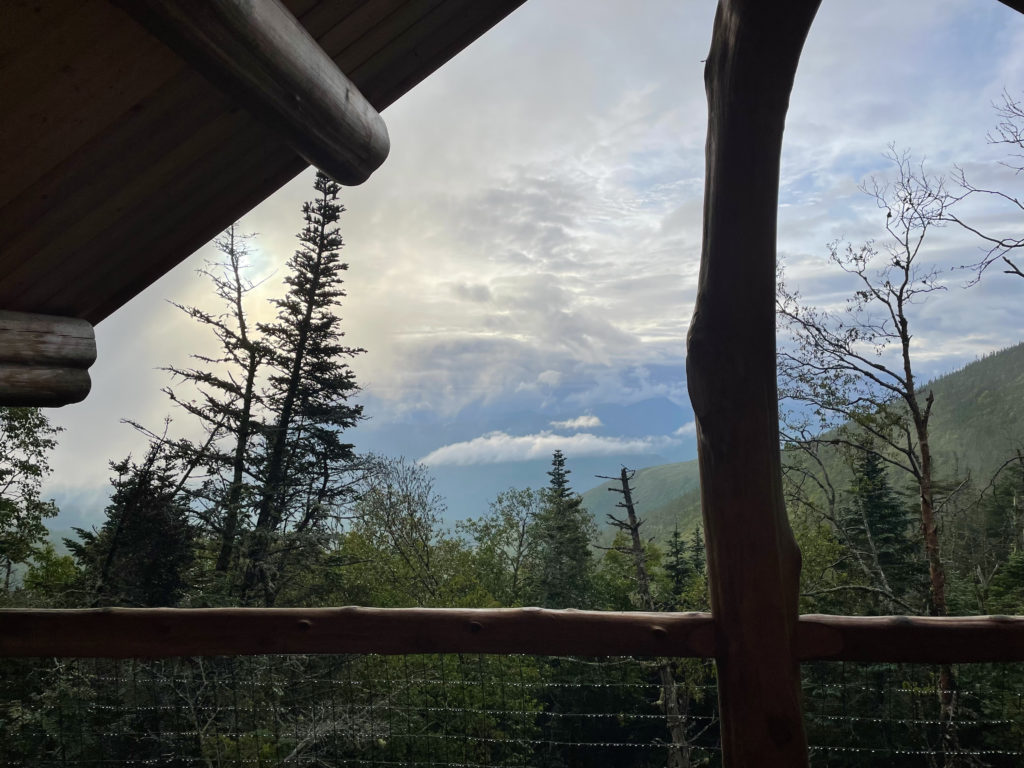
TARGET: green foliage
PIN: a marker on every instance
(879, 528)
(311, 384)
(1006, 593)
(26, 438)
(820, 552)
(505, 545)
(398, 526)
(51, 578)
(978, 417)
(679, 564)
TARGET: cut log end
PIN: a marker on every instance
(42, 387)
(44, 359)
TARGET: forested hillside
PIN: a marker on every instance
(977, 424)
(667, 497)
(978, 417)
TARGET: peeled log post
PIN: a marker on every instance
(753, 560)
(44, 360)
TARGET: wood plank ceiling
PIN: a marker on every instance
(117, 160)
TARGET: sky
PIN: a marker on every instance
(523, 267)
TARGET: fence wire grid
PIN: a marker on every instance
(474, 711)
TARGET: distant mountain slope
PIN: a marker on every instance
(978, 416)
(977, 423)
(665, 496)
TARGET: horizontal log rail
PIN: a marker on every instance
(166, 632)
(161, 632)
(912, 639)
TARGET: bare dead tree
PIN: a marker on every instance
(855, 368)
(228, 401)
(1009, 132)
(676, 712)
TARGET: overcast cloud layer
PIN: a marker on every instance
(531, 245)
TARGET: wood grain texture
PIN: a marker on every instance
(54, 105)
(753, 560)
(42, 387)
(160, 632)
(166, 632)
(43, 340)
(44, 359)
(264, 58)
(181, 159)
(916, 639)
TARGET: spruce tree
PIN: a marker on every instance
(678, 565)
(563, 574)
(305, 462)
(142, 554)
(698, 555)
(879, 524)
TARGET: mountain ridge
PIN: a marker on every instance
(977, 423)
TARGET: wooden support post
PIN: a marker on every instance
(44, 360)
(263, 57)
(753, 560)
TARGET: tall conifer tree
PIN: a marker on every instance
(305, 462)
(879, 524)
(563, 576)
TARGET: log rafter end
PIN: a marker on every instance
(44, 359)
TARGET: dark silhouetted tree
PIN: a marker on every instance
(304, 468)
(143, 552)
(228, 402)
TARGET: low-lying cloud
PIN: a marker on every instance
(497, 447)
(587, 421)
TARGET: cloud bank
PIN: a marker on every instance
(587, 421)
(497, 447)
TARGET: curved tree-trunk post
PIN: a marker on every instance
(753, 560)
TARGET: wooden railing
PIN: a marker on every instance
(168, 632)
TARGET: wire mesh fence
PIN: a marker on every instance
(473, 711)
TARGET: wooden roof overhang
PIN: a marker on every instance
(132, 132)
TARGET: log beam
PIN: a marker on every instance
(44, 359)
(753, 560)
(912, 639)
(168, 632)
(262, 56)
(163, 632)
